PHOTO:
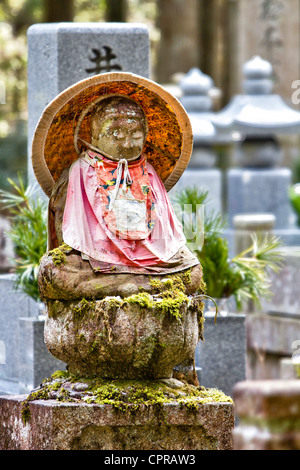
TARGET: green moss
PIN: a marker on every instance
(186, 276)
(80, 309)
(202, 287)
(142, 299)
(25, 412)
(113, 302)
(174, 282)
(127, 395)
(36, 395)
(60, 374)
(171, 303)
(82, 338)
(59, 254)
(94, 347)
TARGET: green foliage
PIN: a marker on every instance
(15, 145)
(28, 219)
(246, 276)
(294, 196)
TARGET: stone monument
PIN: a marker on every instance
(269, 28)
(123, 293)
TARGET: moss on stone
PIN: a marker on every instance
(171, 303)
(59, 254)
(124, 395)
(94, 347)
(202, 289)
(113, 302)
(81, 308)
(173, 282)
(60, 374)
(143, 299)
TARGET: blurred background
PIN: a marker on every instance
(217, 36)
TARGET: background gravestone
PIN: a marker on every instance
(61, 54)
(270, 28)
(222, 354)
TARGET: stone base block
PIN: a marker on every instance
(55, 425)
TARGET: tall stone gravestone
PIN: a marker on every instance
(61, 54)
(270, 28)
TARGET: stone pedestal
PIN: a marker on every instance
(54, 425)
(222, 354)
(247, 224)
(269, 415)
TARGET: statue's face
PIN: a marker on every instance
(118, 130)
(121, 138)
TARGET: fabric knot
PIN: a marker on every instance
(122, 165)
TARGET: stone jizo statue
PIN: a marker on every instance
(114, 240)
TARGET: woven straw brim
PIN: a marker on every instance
(169, 142)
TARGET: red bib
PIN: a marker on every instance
(126, 196)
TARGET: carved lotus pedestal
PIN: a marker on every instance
(135, 337)
(119, 325)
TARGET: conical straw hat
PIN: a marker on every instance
(56, 145)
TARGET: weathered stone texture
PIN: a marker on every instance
(73, 278)
(124, 341)
(55, 425)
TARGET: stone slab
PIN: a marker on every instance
(285, 285)
(269, 28)
(252, 191)
(14, 304)
(6, 246)
(273, 334)
(54, 425)
(269, 415)
(24, 359)
(270, 339)
(222, 354)
(36, 363)
(289, 368)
